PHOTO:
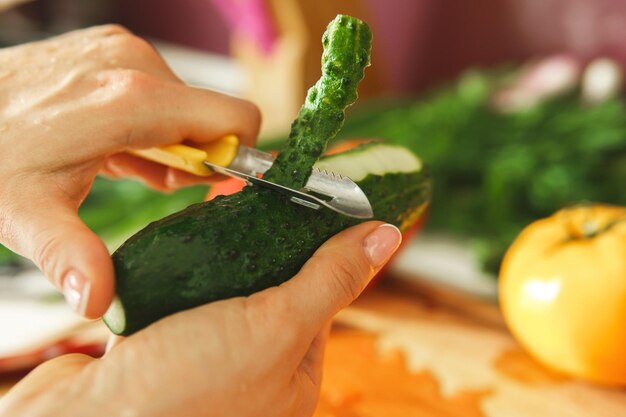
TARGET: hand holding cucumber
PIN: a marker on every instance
(69, 108)
(247, 356)
(246, 339)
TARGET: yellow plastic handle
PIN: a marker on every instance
(189, 159)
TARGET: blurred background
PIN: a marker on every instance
(516, 106)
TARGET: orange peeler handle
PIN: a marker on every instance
(191, 159)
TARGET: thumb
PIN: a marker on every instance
(73, 258)
(337, 273)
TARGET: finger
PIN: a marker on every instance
(125, 165)
(123, 49)
(153, 174)
(313, 360)
(113, 341)
(38, 381)
(206, 115)
(157, 112)
(337, 273)
(113, 46)
(73, 258)
(175, 178)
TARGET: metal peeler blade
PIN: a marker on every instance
(323, 189)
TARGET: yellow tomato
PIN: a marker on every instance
(563, 291)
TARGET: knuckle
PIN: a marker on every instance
(125, 82)
(109, 29)
(248, 116)
(133, 79)
(269, 306)
(127, 43)
(44, 257)
(348, 275)
(253, 112)
(275, 313)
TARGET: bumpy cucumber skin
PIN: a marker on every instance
(243, 243)
(347, 43)
(239, 244)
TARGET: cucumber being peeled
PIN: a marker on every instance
(242, 243)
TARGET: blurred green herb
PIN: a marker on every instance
(495, 173)
(117, 209)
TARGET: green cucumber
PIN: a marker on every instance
(347, 43)
(239, 244)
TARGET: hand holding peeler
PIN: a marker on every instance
(228, 157)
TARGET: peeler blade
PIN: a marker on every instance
(345, 194)
(323, 189)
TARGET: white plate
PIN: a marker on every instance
(443, 260)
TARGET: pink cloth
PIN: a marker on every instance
(249, 18)
(417, 43)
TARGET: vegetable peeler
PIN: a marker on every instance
(228, 157)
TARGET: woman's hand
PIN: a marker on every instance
(69, 108)
(254, 356)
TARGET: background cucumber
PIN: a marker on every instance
(239, 244)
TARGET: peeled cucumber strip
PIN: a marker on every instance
(347, 43)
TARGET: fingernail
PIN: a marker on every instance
(114, 168)
(380, 244)
(76, 291)
(170, 179)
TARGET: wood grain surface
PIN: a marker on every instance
(413, 352)
(407, 350)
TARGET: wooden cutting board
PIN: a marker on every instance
(402, 351)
